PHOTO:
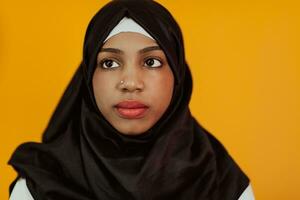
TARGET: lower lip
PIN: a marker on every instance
(132, 113)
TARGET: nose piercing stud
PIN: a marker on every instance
(122, 82)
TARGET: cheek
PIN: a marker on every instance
(162, 90)
(102, 88)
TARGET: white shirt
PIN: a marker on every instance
(21, 192)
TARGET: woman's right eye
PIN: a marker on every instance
(108, 63)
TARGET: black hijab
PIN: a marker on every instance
(82, 156)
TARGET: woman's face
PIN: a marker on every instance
(131, 67)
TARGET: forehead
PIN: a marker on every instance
(129, 39)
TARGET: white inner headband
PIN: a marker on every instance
(127, 25)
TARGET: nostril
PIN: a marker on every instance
(132, 85)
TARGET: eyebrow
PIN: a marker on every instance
(141, 51)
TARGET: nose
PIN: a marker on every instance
(131, 80)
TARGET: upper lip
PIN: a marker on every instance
(131, 104)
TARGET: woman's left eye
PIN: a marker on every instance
(153, 62)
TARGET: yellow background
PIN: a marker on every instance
(244, 56)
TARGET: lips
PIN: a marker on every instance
(131, 109)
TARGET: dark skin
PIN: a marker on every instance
(147, 77)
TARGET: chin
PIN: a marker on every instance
(132, 131)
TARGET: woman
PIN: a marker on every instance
(123, 128)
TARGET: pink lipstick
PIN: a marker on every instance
(131, 109)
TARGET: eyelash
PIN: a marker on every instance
(157, 59)
(102, 62)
